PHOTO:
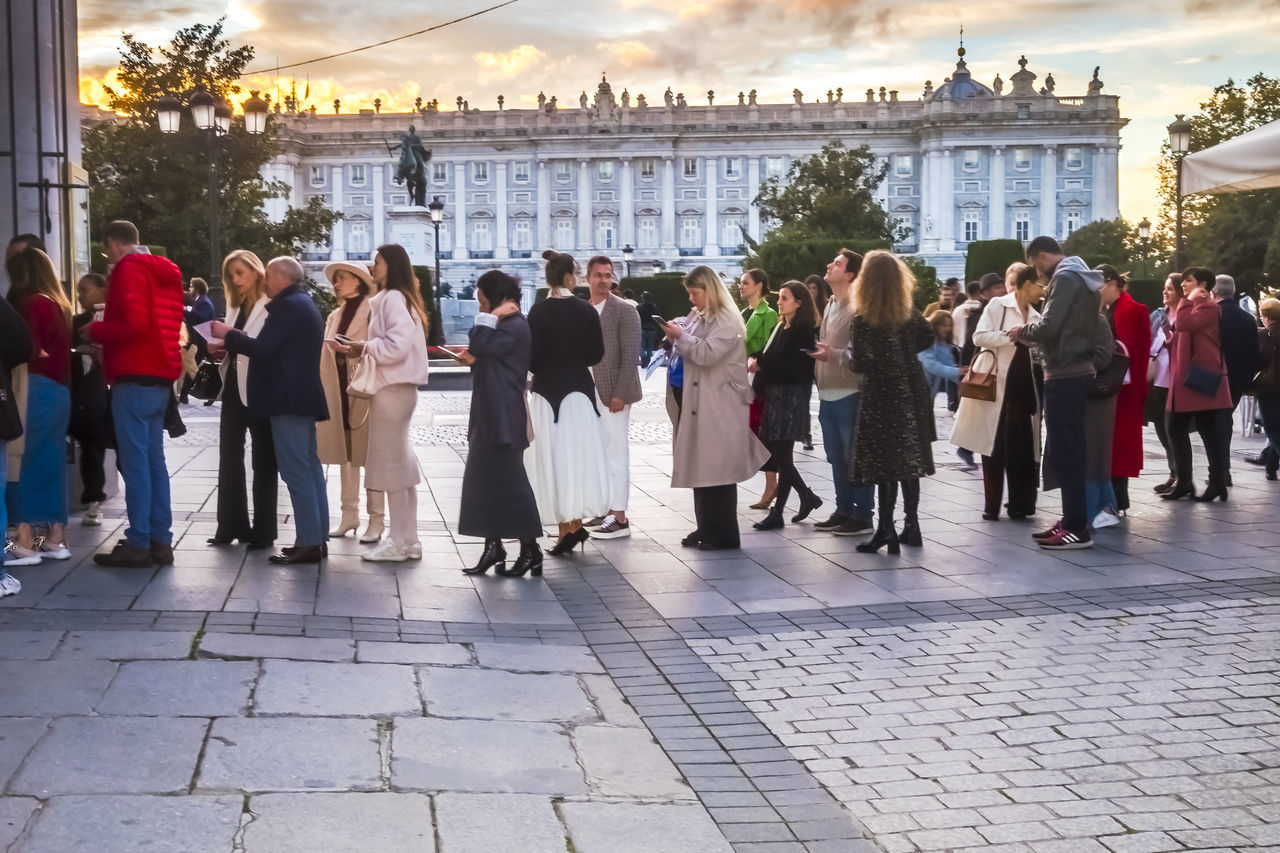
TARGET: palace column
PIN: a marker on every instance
(379, 205)
(996, 204)
(338, 240)
(500, 212)
(585, 237)
(669, 203)
(544, 209)
(460, 211)
(1049, 191)
(753, 212)
(627, 216)
(947, 201)
(711, 240)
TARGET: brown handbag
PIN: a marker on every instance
(977, 385)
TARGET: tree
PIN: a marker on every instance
(1106, 241)
(1233, 233)
(831, 194)
(161, 182)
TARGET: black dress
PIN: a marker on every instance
(785, 378)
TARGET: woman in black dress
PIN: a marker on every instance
(895, 422)
(497, 500)
(784, 376)
(566, 462)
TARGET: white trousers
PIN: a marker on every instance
(617, 450)
(374, 501)
(403, 506)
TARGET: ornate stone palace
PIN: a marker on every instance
(675, 180)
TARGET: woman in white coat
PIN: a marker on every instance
(247, 311)
(1005, 432)
(398, 345)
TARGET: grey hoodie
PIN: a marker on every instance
(1069, 323)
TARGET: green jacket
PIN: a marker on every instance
(760, 323)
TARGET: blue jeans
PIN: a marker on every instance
(1099, 495)
(43, 489)
(1064, 404)
(839, 422)
(138, 414)
(294, 439)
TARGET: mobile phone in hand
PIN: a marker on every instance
(661, 322)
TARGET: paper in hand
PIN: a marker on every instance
(205, 330)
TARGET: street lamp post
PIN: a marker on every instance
(437, 213)
(1179, 145)
(628, 252)
(212, 116)
(1144, 235)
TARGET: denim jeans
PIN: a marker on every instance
(294, 437)
(839, 422)
(43, 474)
(1064, 404)
(138, 414)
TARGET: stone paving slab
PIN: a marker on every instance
(340, 823)
(336, 689)
(15, 812)
(477, 756)
(52, 688)
(289, 648)
(626, 762)
(440, 654)
(311, 754)
(499, 695)
(180, 689)
(17, 737)
(524, 657)
(121, 824)
(127, 645)
(490, 822)
(626, 828)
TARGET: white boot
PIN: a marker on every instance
(376, 503)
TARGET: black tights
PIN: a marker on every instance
(788, 477)
(887, 497)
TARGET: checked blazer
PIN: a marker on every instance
(618, 373)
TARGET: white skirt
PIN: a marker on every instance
(566, 462)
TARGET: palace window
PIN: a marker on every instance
(733, 167)
(520, 172)
(691, 167)
(773, 167)
(903, 191)
(604, 170)
(440, 173)
(317, 176)
(902, 165)
(606, 234)
(971, 186)
(1022, 159)
(481, 236)
(646, 169)
(1022, 186)
(564, 234)
(564, 170)
(731, 233)
(1022, 225)
(1024, 111)
(647, 232)
(1074, 158)
(972, 226)
(480, 172)
(1073, 221)
(691, 232)
(1076, 184)
(972, 159)
(903, 228)
(358, 238)
(357, 175)
(522, 235)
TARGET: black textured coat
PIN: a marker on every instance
(895, 428)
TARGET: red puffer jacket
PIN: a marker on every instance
(139, 329)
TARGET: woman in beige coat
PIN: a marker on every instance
(714, 447)
(1007, 431)
(344, 440)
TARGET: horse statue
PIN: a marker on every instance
(412, 167)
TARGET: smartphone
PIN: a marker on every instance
(343, 339)
(456, 356)
(661, 321)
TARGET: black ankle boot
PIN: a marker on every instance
(772, 521)
(494, 555)
(885, 535)
(808, 503)
(911, 533)
(530, 560)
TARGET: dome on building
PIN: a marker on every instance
(961, 84)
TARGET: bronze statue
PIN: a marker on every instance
(412, 168)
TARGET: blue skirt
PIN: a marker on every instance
(42, 489)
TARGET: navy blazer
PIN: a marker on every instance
(1238, 331)
(284, 368)
(498, 411)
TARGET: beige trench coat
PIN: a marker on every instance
(977, 420)
(336, 445)
(713, 442)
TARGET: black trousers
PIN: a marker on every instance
(715, 508)
(1013, 457)
(1214, 426)
(1159, 417)
(1064, 402)
(788, 477)
(233, 507)
(93, 477)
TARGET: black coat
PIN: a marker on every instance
(498, 412)
(785, 360)
(1238, 332)
(284, 368)
(15, 341)
(89, 412)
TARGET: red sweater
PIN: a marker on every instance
(50, 339)
(139, 329)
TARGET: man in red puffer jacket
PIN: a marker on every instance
(140, 361)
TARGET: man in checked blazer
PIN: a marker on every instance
(617, 378)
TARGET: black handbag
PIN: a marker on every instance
(1109, 381)
(208, 382)
(1202, 379)
(10, 419)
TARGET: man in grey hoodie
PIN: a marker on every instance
(1065, 337)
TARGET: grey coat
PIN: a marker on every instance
(713, 443)
(618, 373)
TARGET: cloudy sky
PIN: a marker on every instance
(1161, 56)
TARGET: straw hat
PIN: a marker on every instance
(360, 271)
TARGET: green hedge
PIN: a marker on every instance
(986, 256)
(785, 260)
(98, 264)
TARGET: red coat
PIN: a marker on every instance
(139, 329)
(1195, 327)
(1133, 329)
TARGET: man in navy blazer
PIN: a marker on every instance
(284, 385)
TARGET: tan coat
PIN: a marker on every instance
(336, 445)
(977, 420)
(713, 443)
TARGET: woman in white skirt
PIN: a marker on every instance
(566, 463)
(398, 345)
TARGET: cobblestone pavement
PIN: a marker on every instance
(973, 694)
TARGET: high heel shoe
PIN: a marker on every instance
(1164, 487)
(494, 555)
(220, 540)
(530, 560)
(763, 503)
(344, 527)
(1212, 493)
(772, 521)
(1178, 492)
(884, 536)
(569, 541)
(808, 503)
(910, 534)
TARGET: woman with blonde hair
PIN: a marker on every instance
(1011, 276)
(343, 440)
(895, 423)
(714, 448)
(247, 300)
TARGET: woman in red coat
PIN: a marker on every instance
(1131, 327)
(1193, 394)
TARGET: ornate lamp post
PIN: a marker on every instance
(1179, 144)
(437, 214)
(1144, 235)
(628, 252)
(212, 117)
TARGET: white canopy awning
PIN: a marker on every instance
(1251, 161)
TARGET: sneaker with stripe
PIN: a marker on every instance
(1065, 540)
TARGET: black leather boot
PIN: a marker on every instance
(494, 555)
(530, 560)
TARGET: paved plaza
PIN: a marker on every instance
(975, 694)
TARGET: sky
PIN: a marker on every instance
(1160, 56)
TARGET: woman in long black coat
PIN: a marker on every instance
(497, 500)
(895, 429)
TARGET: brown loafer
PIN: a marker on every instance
(297, 554)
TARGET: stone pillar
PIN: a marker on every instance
(947, 201)
(460, 234)
(753, 184)
(338, 241)
(627, 214)
(928, 204)
(1049, 191)
(1106, 189)
(544, 209)
(669, 203)
(379, 204)
(997, 229)
(585, 237)
(500, 225)
(711, 240)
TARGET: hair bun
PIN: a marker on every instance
(550, 255)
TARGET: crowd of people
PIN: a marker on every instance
(1051, 344)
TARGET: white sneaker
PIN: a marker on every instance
(386, 551)
(93, 514)
(414, 551)
(1105, 519)
(50, 551)
(16, 555)
(9, 585)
